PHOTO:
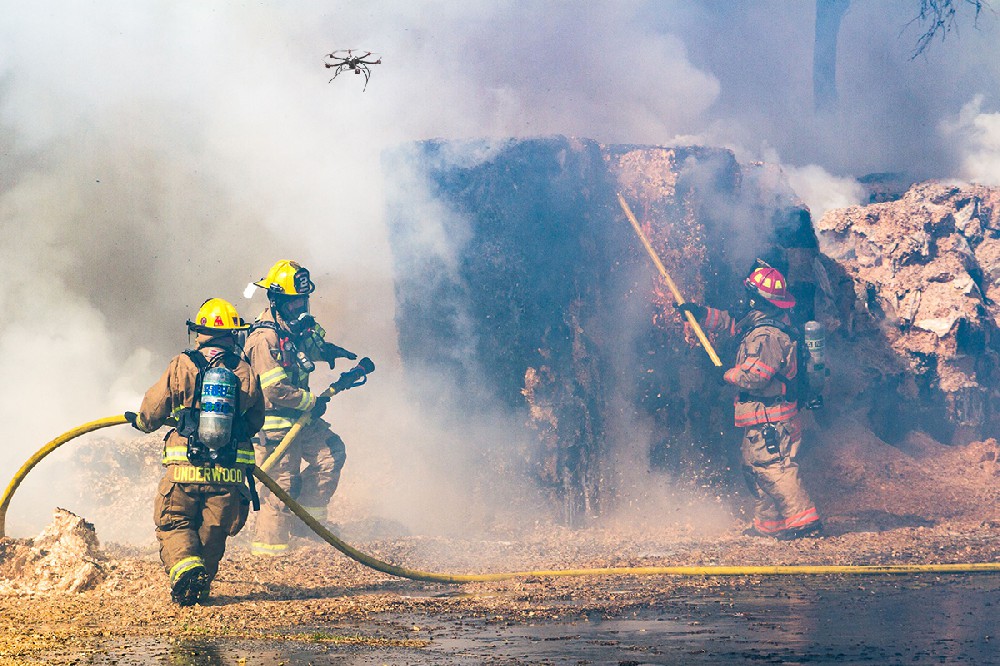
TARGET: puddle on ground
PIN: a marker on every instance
(830, 620)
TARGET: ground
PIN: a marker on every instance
(917, 503)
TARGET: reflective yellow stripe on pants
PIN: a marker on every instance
(317, 512)
(184, 565)
(272, 549)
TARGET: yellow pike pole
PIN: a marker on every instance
(670, 283)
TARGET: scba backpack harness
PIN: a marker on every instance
(797, 389)
(212, 427)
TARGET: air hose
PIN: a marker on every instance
(402, 572)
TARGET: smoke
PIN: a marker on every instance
(978, 135)
(155, 154)
(821, 191)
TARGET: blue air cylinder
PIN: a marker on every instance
(218, 407)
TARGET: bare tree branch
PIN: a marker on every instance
(939, 17)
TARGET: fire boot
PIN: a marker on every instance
(189, 586)
(813, 529)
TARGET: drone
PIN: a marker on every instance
(345, 59)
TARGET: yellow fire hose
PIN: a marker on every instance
(365, 364)
(402, 572)
(670, 283)
(293, 432)
(46, 450)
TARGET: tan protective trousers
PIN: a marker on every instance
(324, 453)
(193, 521)
(782, 502)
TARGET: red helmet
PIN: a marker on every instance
(772, 285)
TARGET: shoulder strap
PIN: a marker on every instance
(264, 324)
(270, 326)
(787, 329)
(198, 359)
(202, 364)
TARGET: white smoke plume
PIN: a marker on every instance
(821, 191)
(154, 154)
(978, 134)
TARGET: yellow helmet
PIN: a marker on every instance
(217, 314)
(287, 278)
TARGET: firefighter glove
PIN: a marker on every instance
(698, 311)
(131, 418)
(320, 407)
(332, 352)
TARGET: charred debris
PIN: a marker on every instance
(520, 286)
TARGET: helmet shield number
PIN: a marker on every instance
(301, 281)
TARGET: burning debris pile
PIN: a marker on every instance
(65, 557)
(521, 283)
(923, 276)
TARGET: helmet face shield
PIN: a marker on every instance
(291, 308)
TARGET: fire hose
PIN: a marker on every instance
(403, 572)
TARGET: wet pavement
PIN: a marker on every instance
(921, 619)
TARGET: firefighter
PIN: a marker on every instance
(765, 374)
(213, 398)
(283, 346)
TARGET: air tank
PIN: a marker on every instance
(816, 371)
(816, 343)
(218, 407)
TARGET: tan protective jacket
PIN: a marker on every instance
(175, 390)
(763, 354)
(284, 383)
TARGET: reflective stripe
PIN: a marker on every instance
(808, 516)
(317, 512)
(783, 411)
(272, 376)
(178, 454)
(177, 409)
(277, 423)
(140, 424)
(756, 365)
(174, 454)
(186, 564)
(272, 549)
(307, 402)
(769, 526)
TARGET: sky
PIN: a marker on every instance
(155, 154)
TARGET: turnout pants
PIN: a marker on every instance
(193, 521)
(324, 455)
(782, 502)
